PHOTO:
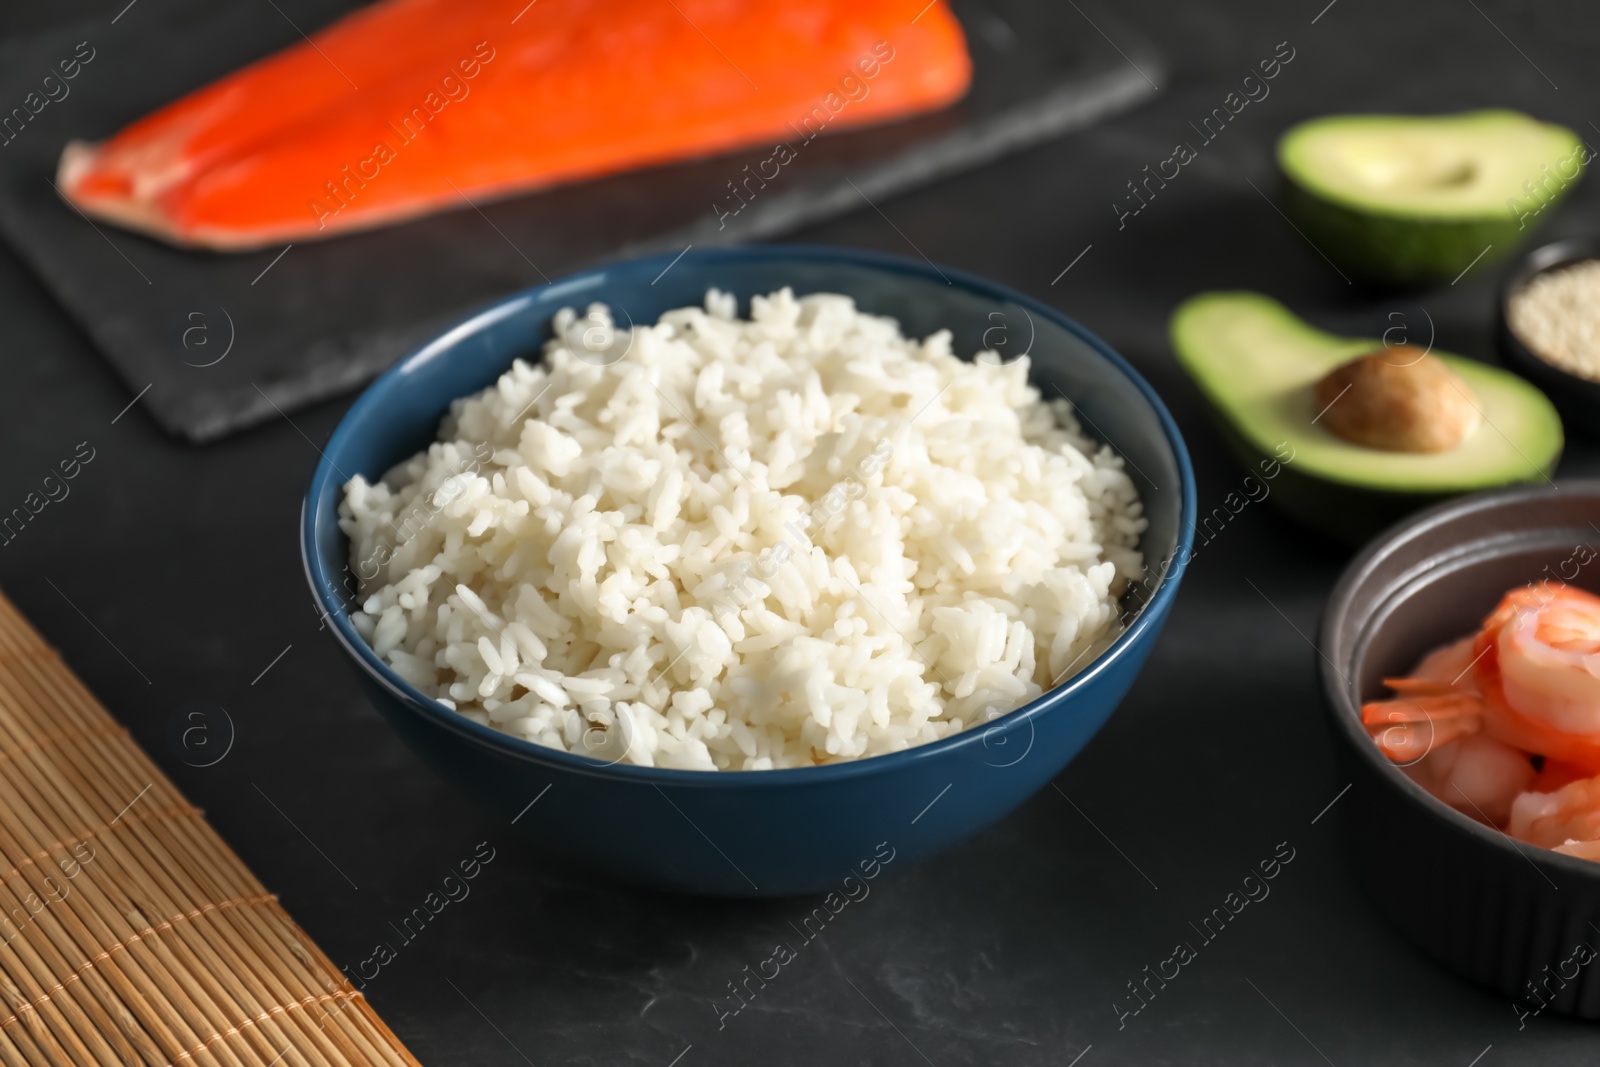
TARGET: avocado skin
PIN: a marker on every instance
(1398, 251)
(1348, 514)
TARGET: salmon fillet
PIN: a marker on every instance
(412, 106)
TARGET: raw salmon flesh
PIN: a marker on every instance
(407, 107)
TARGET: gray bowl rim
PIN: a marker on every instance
(1346, 709)
(415, 701)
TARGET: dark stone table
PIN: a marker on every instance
(171, 575)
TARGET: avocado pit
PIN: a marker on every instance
(1398, 399)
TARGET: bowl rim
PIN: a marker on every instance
(1346, 712)
(1153, 609)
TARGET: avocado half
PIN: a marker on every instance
(1258, 364)
(1407, 200)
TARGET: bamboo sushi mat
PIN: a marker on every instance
(131, 933)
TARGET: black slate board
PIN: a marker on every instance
(214, 343)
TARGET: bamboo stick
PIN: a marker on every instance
(162, 949)
(135, 820)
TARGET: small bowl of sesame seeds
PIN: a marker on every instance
(1550, 327)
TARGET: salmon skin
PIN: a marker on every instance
(408, 107)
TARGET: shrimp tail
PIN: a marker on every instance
(1436, 706)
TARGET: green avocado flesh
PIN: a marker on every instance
(1404, 199)
(1258, 365)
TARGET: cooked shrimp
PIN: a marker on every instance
(1476, 775)
(1565, 820)
(1505, 725)
(1433, 730)
(1450, 664)
(1438, 704)
(1537, 664)
(1408, 728)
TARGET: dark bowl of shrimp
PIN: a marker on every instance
(1461, 667)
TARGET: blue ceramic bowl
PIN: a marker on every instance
(763, 833)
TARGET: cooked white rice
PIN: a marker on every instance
(724, 544)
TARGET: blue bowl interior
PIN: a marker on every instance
(400, 413)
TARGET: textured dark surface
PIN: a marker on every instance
(1011, 950)
(347, 308)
